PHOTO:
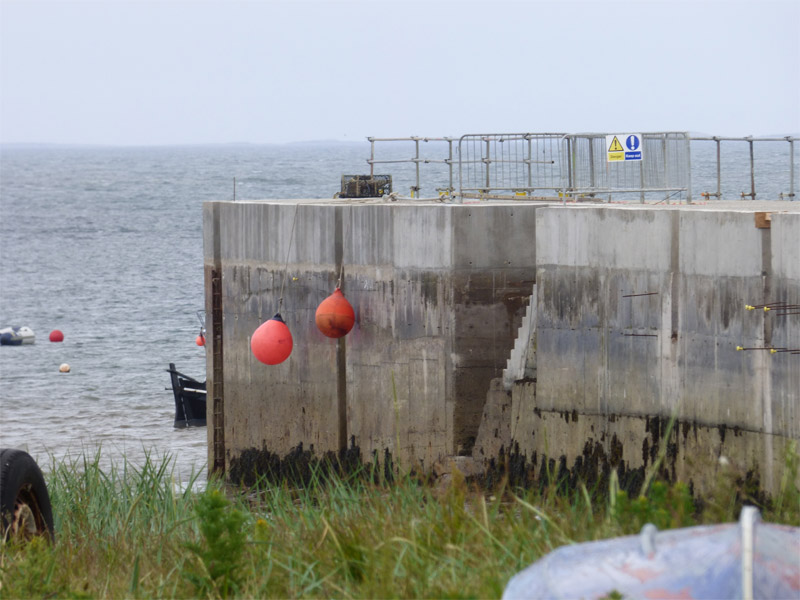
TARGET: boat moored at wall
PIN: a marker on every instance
(190, 399)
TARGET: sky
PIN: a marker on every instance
(132, 72)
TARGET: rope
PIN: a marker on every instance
(286, 265)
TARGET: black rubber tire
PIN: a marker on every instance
(22, 487)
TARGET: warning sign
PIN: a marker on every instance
(624, 147)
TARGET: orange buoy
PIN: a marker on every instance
(56, 336)
(272, 341)
(335, 316)
(200, 340)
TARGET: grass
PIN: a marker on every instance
(130, 532)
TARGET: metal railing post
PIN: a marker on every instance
(688, 141)
(641, 176)
(752, 193)
(666, 161)
(460, 182)
(791, 169)
(752, 172)
(371, 157)
(530, 163)
(416, 164)
(450, 163)
(569, 164)
(488, 164)
(719, 169)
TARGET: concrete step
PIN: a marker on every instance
(521, 363)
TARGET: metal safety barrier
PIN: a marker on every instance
(509, 165)
(643, 166)
(417, 160)
(600, 167)
(734, 175)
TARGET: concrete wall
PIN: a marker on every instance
(610, 358)
(438, 291)
(637, 317)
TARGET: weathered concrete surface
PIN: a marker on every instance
(438, 292)
(494, 434)
(637, 315)
(640, 312)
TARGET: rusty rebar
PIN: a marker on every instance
(773, 350)
(640, 335)
(637, 295)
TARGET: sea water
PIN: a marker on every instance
(105, 244)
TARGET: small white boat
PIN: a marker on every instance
(16, 336)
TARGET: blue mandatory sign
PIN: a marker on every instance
(633, 144)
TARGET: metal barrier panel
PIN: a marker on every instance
(439, 154)
(626, 167)
(509, 165)
(770, 172)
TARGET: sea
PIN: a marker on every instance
(105, 245)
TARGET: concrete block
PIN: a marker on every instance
(496, 235)
(584, 236)
(719, 244)
(495, 428)
(785, 239)
(437, 307)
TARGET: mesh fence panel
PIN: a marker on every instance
(662, 172)
(509, 165)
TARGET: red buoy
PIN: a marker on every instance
(200, 340)
(272, 341)
(335, 316)
(56, 336)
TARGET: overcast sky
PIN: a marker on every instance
(182, 72)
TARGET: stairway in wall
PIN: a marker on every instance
(522, 362)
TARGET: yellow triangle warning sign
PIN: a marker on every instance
(615, 146)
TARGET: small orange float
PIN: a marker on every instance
(335, 316)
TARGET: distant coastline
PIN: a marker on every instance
(64, 145)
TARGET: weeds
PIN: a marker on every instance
(222, 545)
(665, 506)
(787, 506)
(129, 532)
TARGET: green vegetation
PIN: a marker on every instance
(131, 533)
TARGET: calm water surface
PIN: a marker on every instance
(105, 244)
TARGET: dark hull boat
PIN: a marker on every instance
(190, 399)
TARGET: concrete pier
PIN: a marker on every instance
(630, 315)
(438, 291)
